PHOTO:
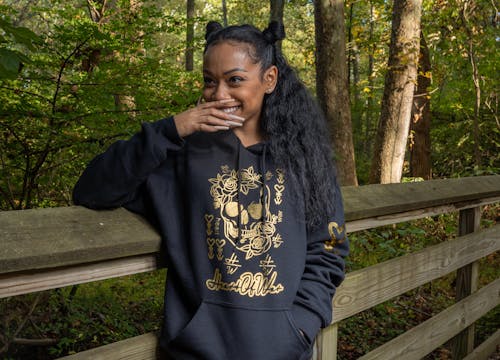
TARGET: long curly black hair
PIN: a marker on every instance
(292, 121)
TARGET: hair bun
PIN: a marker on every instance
(275, 31)
(212, 26)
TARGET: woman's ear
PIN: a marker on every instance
(271, 78)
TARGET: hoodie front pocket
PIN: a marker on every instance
(218, 332)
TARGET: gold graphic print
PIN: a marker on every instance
(220, 249)
(279, 187)
(211, 243)
(249, 230)
(267, 265)
(337, 235)
(208, 221)
(232, 264)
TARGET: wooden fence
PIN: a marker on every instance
(50, 248)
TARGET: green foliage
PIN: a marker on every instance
(13, 39)
(69, 86)
(86, 85)
(84, 316)
(369, 329)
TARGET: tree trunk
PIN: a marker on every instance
(468, 7)
(190, 35)
(224, 13)
(277, 9)
(394, 123)
(420, 149)
(331, 83)
(369, 101)
(353, 73)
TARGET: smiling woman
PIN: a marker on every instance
(243, 191)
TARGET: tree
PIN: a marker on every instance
(331, 83)
(400, 80)
(420, 147)
(467, 9)
(224, 13)
(190, 35)
(277, 8)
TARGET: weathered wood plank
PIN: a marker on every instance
(383, 199)
(467, 278)
(28, 282)
(143, 347)
(488, 347)
(424, 338)
(368, 287)
(373, 222)
(49, 238)
(326, 343)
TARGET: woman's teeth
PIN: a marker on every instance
(231, 109)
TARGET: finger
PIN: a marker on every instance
(224, 115)
(218, 103)
(216, 121)
(210, 128)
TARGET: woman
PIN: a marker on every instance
(242, 190)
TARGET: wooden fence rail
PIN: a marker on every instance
(49, 248)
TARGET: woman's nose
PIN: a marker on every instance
(220, 93)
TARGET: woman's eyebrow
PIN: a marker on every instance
(234, 70)
(208, 72)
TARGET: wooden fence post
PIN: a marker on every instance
(325, 347)
(466, 284)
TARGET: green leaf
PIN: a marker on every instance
(26, 37)
(9, 61)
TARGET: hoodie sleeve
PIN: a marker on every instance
(113, 178)
(324, 270)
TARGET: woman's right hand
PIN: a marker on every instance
(208, 117)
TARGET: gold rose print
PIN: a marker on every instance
(246, 229)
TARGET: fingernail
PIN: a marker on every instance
(226, 100)
(236, 117)
(233, 123)
(221, 127)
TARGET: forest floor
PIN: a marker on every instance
(73, 319)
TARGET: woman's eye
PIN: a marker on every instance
(208, 82)
(235, 79)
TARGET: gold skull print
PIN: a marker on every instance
(237, 234)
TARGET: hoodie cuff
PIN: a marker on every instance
(170, 131)
(306, 321)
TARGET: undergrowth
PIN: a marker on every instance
(77, 318)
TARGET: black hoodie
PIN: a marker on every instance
(246, 279)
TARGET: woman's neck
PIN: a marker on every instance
(249, 134)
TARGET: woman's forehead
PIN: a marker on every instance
(228, 54)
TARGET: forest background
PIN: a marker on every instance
(78, 75)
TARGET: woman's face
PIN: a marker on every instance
(229, 73)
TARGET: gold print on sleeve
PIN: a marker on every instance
(334, 239)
